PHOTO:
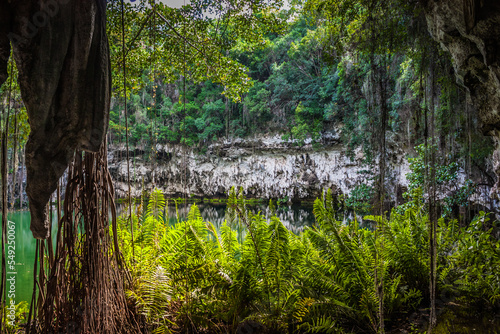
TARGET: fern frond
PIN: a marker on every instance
(156, 205)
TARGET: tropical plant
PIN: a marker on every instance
(446, 178)
(253, 273)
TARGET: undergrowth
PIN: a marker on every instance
(194, 277)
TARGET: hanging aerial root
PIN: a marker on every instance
(84, 288)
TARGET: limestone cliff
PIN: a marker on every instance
(266, 167)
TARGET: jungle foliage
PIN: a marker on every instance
(367, 72)
(252, 273)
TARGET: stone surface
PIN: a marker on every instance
(266, 167)
(61, 51)
(470, 31)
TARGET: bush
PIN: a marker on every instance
(254, 272)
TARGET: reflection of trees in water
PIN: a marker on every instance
(294, 217)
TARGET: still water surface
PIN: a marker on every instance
(25, 247)
(294, 217)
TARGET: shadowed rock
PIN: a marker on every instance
(61, 51)
(470, 31)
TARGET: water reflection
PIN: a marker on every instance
(294, 217)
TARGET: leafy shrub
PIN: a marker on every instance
(253, 272)
(360, 199)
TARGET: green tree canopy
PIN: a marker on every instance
(192, 41)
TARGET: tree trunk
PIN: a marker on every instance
(432, 211)
(21, 181)
(14, 165)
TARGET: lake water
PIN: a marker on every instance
(25, 247)
(293, 217)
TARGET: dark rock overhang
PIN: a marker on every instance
(61, 51)
(470, 31)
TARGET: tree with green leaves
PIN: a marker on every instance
(190, 42)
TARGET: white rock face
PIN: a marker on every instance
(266, 167)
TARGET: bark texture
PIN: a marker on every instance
(62, 54)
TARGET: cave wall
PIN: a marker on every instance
(470, 31)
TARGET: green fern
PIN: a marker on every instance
(193, 276)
